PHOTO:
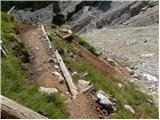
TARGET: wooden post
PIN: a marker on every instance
(11, 109)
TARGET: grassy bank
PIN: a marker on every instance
(128, 94)
(13, 82)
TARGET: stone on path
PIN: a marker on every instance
(48, 90)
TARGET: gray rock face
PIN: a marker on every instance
(43, 15)
(136, 8)
(117, 14)
(84, 16)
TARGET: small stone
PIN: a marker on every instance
(150, 101)
(48, 90)
(129, 108)
(130, 71)
(98, 109)
(56, 66)
(104, 111)
(40, 70)
(100, 116)
(74, 73)
(85, 74)
(50, 60)
(82, 84)
(136, 76)
(61, 79)
(31, 81)
(119, 85)
(56, 73)
(36, 48)
(145, 41)
(67, 93)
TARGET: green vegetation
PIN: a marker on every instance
(13, 82)
(128, 94)
(84, 44)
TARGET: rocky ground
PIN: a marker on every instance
(134, 48)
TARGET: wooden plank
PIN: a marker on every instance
(12, 109)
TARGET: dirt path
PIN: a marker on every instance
(81, 107)
(41, 67)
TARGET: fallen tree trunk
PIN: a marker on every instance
(11, 109)
(72, 87)
(66, 74)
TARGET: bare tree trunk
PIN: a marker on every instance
(11, 109)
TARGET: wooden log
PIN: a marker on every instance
(66, 74)
(71, 85)
(46, 36)
(11, 109)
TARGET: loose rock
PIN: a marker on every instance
(103, 99)
(56, 66)
(119, 85)
(131, 72)
(129, 108)
(74, 73)
(82, 84)
(50, 60)
(85, 74)
(56, 73)
(48, 90)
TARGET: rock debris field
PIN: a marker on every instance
(135, 49)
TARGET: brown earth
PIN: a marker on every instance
(41, 68)
(83, 107)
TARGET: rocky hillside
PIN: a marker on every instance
(114, 14)
(83, 16)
